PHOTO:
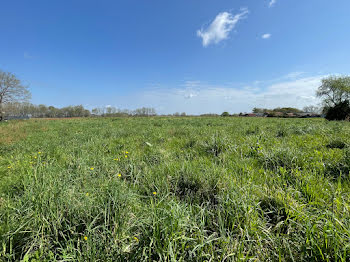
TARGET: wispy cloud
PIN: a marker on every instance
(220, 28)
(27, 55)
(192, 83)
(294, 75)
(266, 36)
(272, 3)
(196, 97)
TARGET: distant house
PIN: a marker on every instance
(250, 115)
(261, 114)
(308, 115)
(255, 114)
(303, 115)
(275, 114)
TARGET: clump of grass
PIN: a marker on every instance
(194, 188)
(274, 213)
(336, 143)
(191, 143)
(215, 145)
(340, 168)
(282, 132)
(286, 158)
(252, 130)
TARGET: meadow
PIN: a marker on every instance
(174, 189)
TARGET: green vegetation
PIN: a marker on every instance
(174, 189)
(283, 110)
(335, 92)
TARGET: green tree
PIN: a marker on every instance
(259, 110)
(311, 109)
(335, 92)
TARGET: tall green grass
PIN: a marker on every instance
(175, 189)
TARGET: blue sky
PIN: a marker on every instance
(196, 56)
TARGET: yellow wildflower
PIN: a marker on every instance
(119, 175)
(39, 153)
(91, 168)
(85, 238)
(9, 167)
(126, 156)
(136, 239)
(154, 193)
(35, 157)
(116, 159)
(87, 194)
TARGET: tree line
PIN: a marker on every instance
(25, 109)
(286, 110)
(17, 109)
(14, 101)
(112, 111)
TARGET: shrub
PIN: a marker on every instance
(340, 111)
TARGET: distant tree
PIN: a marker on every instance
(225, 114)
(144, 111)
(110, 110)
(210, 115)
(94, 111)
(286, 110)
(311, 109)
(11, 90)
(183, 114)
(258, 110)
(52, 111)
(97, 111)
(335, 92)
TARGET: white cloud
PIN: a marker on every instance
(295, 89)
(266, 36)
(272, 3)
(202, 97)
(220, 28)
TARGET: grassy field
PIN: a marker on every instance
(175, 189)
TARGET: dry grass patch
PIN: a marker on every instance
(12, 132)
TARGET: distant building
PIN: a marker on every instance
(251, 115)
(308, 115)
